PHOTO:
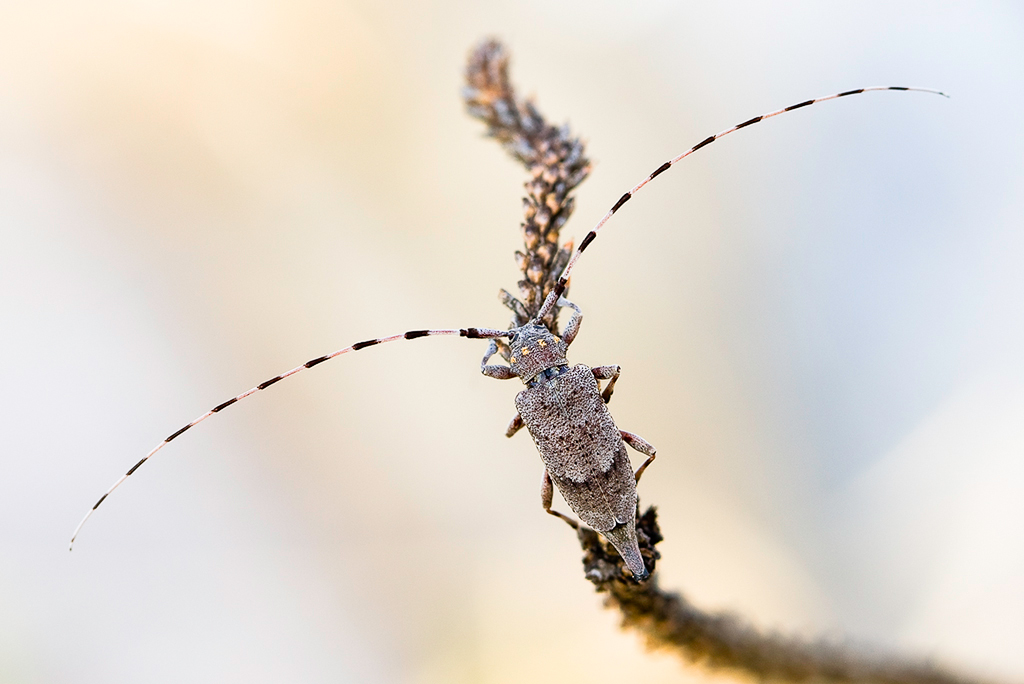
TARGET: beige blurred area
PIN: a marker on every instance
(819, 323)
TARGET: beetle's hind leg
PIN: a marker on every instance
(547, 491)
(610, 373)
(641, 445)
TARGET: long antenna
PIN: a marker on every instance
(592, 235)
(472, 333)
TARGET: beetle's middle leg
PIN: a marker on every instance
(547, 491)
(641, 445)
(514, 426)
(607, 373)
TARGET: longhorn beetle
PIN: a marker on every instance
(563, 407)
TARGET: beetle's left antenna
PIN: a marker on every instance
(592, 235)
(471, 333)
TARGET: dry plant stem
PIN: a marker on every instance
(723, 641)
(556, 164)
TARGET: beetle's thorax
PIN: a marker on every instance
(534, 350)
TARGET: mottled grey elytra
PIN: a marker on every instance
(584, 453)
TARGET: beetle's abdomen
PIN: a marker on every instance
(581, 447)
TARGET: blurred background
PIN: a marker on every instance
(819, 322)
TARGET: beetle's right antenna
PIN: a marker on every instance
(592, 235)
(471, 333)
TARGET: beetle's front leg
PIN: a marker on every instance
(641, 445)
(547, 492)
(607, 373)
(497, 371)
(573, 326)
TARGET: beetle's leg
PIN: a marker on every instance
(573, 326)
(547, 491)
(514, 426)
(641, 445)
(607, 373)
(498, 372)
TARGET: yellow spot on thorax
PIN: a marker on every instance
(526, 352)
(542, 343)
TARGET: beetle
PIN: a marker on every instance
(584, 453)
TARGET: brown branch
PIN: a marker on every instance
(554, 159)
(716, 641)
(724, 641)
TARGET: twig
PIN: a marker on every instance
(724, 641)
(554, 159)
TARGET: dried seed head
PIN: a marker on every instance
(531, 236)
(535, 271)
(545, 252)
(553, 203)
(554, 159)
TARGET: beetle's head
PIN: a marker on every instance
(534, 350)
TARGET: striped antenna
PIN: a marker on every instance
(592, 235)
(471, 333)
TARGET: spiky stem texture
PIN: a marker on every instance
(554, 159)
